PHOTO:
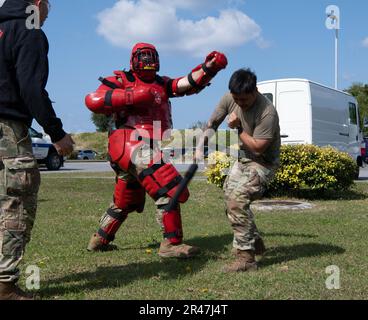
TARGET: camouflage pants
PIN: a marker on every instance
(246, 182)
(19, 184)
(140, 164)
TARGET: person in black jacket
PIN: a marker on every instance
(23, 77)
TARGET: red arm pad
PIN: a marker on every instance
(111, 101)
(96, 103)
(196, 86)
(217, 61)
(202, 82)
(214, 62)
(105, 102)
(174, 88)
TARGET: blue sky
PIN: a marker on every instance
(277, 39)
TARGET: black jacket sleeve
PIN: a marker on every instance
(32, 70)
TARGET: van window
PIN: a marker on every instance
(353, 113)
(269, 96)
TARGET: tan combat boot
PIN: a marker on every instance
(169, 250)
(96, 245)
(10, 291)
(245, 261)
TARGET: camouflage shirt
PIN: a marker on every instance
(261, 121)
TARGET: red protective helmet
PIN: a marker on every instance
(145, 60)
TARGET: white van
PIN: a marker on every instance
(44, 151)
(311, 113)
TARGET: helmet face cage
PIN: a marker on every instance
(146, 59)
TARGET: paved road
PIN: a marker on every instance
(85, 166)
(90, 166)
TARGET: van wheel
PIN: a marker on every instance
(53, 161)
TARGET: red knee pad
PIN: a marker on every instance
(129, 196)
(161, 180)
(172, 226)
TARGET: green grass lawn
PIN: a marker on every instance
(300, 246)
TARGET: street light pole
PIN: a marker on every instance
(337, 59)
(333, 23)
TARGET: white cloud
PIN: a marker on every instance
(202, 4)
(158, 22)
(365, 42)
(188, 4)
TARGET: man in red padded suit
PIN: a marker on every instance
(139, 102)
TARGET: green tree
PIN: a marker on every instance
(199, 125)
(360, 92)
(101, 122)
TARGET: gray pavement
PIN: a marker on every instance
(80, 166)
(93, 166)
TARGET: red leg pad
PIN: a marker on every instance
(162, 178)
(172, 226)
(129, 196)
(110, 231)
(110, 224)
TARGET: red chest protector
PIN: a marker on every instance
(142, 115)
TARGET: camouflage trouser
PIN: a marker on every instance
(132, 176)
(19, 184)
(246, 182)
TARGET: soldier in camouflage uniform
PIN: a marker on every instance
(19, 183)
(259, 133)
(23, 77)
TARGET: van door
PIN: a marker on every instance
(293, 112)
(268, 90)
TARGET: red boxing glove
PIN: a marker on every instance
(219, 61)
(108, 102)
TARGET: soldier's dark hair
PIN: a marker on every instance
(243, 81)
